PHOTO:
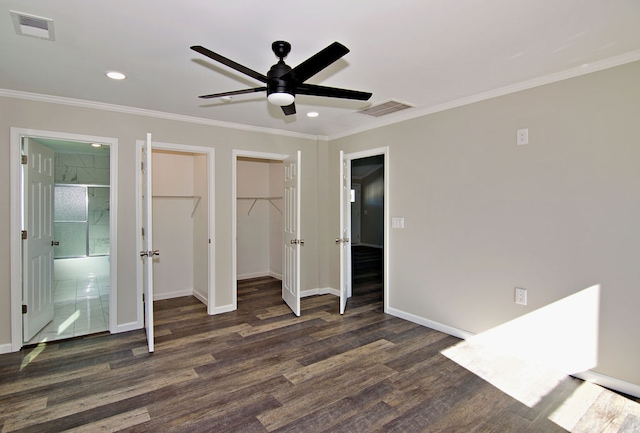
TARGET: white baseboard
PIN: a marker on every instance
(201, 297)
(430, 324)
(589, 376)
(126, 327)
(5, 348)
(362, 244)
(170, 295)
(253, 275)
(609, 382)
(274, 275)
(318, 291)
(222, 309)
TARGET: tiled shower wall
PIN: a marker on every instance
(81, 169)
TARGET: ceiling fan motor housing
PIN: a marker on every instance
(277, 85)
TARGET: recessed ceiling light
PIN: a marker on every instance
(114, 75)
(313, 114)
(96, 145)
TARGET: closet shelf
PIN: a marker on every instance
(196, 197)
(255, 200)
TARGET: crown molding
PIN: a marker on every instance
(151, 113)
(611, 62)
(378, 123)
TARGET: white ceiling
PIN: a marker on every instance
(429, 53)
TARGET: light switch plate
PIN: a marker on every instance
(397, 223)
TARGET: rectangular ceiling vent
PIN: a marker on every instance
(31, 25)
(385, 108)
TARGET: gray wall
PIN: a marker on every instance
(555, 216)
(128, 128)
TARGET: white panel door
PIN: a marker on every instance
(147, 252)
(292, 237)
(37, 251)
(345, 232)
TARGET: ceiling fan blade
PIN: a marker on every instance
(234, 92)
(289, 109)
(316, 63)
(230, 63)
(331, 92)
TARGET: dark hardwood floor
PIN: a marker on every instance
(261, 369)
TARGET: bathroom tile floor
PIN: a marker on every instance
(81, 307)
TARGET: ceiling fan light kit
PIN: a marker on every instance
(281, 99)
(283, 82)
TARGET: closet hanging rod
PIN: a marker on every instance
(255, 200)
(197, 197)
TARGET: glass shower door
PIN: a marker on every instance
(71, 221)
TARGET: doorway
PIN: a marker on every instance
(259, 185)
(257, 216)
(364, 213)
(66, 289)
(367, 229)
(183, 222)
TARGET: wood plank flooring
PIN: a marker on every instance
(261, 369)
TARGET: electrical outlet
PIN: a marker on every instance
(521, 296)
(522, 136)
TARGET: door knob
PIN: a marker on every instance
(143, 254)
(55, 243)
(154, 253)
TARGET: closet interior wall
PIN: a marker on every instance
(259, 185)
(180, 229)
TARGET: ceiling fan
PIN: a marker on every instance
(283, 82)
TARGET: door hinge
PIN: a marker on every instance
(24, 309)
(143, 232)
(25, 159)
(24, 234)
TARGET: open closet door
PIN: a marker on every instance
(37, 246)
(345, 232)
(147, 252)
(292, 238)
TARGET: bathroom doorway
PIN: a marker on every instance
(66, 205)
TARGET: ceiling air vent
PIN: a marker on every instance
(31, 25)
(385, 108)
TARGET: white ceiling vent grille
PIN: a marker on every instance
(385, 108)
(31, 25)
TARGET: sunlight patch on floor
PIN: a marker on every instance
(527, 357)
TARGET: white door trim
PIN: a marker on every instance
(15, 203)
(210, 152)
(387, 222)
(234, 211)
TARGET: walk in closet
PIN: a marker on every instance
(259, 217)
(180, 224)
